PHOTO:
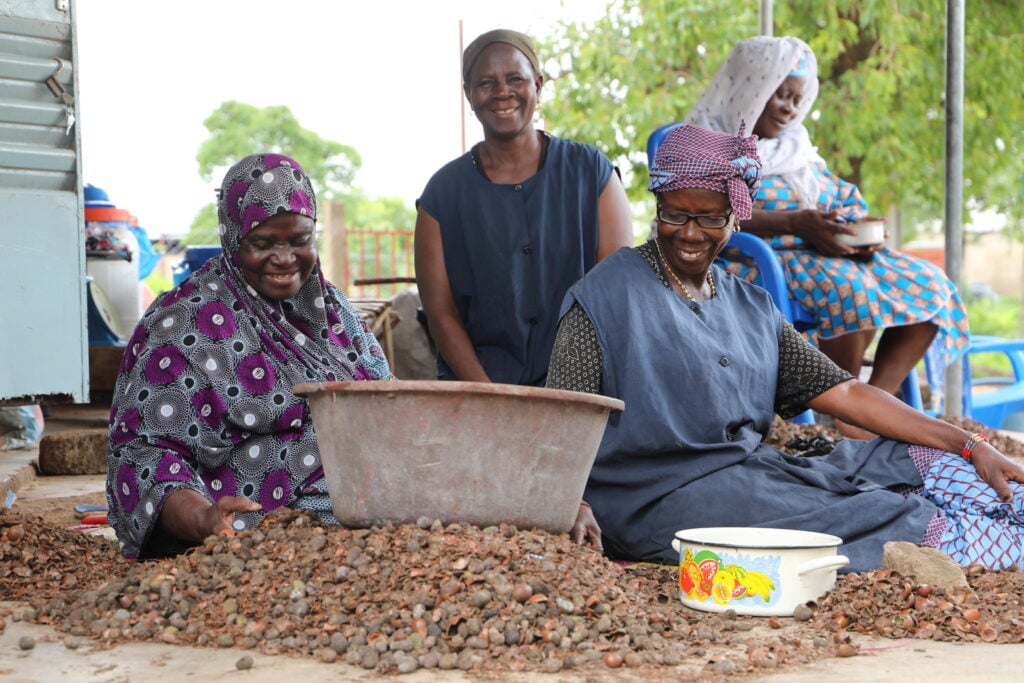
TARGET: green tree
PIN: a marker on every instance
(879, 120)
(238, 129)
(378, 213)
(204, 227)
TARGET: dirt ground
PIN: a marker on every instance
(780, 650)
(53, 658)
(59, 511)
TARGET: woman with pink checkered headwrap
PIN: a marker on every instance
(704, 360)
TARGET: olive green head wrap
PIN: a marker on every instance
(518, 40)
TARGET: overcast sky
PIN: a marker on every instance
(383, 77)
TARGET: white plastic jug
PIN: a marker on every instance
(112, 260)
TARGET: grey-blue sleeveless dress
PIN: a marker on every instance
(699, 383)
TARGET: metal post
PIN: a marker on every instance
(765, 20)
(954, 176)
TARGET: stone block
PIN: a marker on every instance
(76, 451)
(927, 565)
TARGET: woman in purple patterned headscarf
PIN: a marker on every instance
(205, 432)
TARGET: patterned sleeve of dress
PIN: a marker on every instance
(370, 363)
(804, 372)
(775, 194)
(576, 360)
(841, 195)
(153, 433)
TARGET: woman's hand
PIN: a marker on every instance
(996, 469)
(865, 253)
(191, 516)
(819, 231)
(586, 529)
(219, 516)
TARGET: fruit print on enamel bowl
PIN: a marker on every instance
(755, 571)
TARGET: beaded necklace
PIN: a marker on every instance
(686, 292)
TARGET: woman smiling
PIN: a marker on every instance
(503, 231)
(805, 213)
(704, 361)
(205, 432)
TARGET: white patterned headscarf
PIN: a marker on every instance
(738, 93)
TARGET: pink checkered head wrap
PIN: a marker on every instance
(696, 157)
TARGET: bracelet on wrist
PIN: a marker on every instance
(971, 444)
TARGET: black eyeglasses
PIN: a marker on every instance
(682, 218)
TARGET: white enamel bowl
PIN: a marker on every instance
(869, 231)
(755, 571)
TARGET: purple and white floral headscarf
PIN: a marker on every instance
(204, 398)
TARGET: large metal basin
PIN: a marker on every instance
(456, 451)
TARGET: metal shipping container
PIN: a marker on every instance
(43, 340)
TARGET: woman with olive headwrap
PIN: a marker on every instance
(504, 230)
(704, 360)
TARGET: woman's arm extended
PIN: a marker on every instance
(191, 516)
(883, 414)
(446, 327)
(815, 228)
(614, 223)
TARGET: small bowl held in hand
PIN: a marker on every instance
(870, 231)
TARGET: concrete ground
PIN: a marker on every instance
(881, 661)
(54, 658)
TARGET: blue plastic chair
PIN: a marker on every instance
(774, 280)
(1000, 403)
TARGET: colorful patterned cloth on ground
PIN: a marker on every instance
(204, 398)
(978, 527)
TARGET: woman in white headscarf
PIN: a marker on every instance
(769, 85)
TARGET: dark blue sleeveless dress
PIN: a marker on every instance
(512, 251)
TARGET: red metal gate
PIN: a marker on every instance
(379, 263)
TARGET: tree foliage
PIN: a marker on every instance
(204, 227)
(238, 129)
(879, 120)
(378, 213)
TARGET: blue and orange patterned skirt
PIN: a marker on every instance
(847, 295)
